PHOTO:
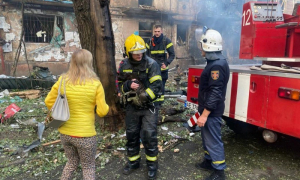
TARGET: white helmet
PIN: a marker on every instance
(211, 40)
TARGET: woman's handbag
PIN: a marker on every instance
(60, 111)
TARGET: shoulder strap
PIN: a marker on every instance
(58, 92)
(64, 84)
(150, 44)
(164, 41)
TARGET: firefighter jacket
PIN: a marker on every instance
(213, 84)
(147, 72)
(159, 51)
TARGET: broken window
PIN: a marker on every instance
(41, 28)
(181, 34)
(145, 2)
(145, 30)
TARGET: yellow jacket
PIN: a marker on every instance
(82, 100)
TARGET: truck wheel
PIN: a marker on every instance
(240, 127)
(269, 136)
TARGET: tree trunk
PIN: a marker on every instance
(96, 35)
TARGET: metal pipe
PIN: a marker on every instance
(172, 95)
(2, 60)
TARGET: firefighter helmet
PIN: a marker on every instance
(134, 44)
(211, 40)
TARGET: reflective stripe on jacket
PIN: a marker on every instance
(147, 72)
(159, 52)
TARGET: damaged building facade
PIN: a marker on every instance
(177, 17)
(50, 32)
(51, 36)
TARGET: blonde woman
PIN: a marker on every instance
(78, 135)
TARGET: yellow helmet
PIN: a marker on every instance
(134, 44)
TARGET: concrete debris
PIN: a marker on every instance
(98, 154)
(118, 154)
(123, 135)
(170, 144)
(176, 150)
(31, 121)
(15, 126)
(192, 134)
(164, 128)
(160, 148)
(4, 93)
(173, 135)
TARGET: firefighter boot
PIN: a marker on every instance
(131, 166)
(205, 165)
(216, 175)
(152, 169)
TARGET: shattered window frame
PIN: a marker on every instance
(180, 29)
(146, 2)
(39, 28)
(146, 30)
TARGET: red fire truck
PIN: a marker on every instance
(267, 96)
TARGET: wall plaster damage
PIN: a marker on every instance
(178, 18)
(50, 36)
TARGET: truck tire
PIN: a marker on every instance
(240, 127)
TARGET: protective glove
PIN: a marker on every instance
(143, 96)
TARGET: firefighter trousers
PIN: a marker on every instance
(212, 142)
(164, 75)
(141, 123)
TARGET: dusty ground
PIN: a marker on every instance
(247, 158)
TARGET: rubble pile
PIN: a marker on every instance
(30, 148)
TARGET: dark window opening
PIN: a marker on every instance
(41, 28)
(145, 2)
(181, 33)
(145, 30)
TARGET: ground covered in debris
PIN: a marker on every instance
(247, 157)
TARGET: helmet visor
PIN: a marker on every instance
(138, 52)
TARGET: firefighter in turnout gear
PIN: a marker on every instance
(140, 83)
(211, 97)
(158, 48)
